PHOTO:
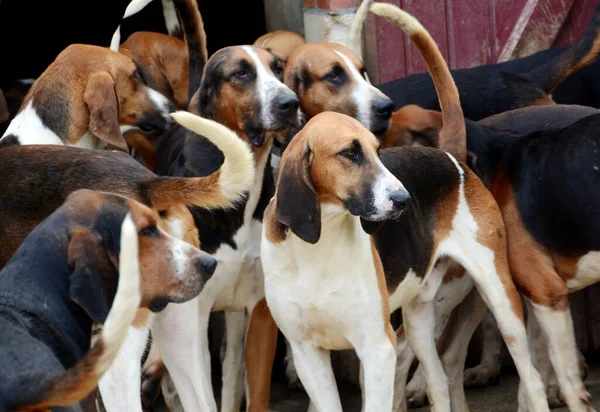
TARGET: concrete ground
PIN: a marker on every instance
(498, 398)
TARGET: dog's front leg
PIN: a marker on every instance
(232, 391)
(121, 384)
(181, 332)
(404, 358)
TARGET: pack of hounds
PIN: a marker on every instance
(146, 185)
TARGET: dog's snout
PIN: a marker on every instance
(383, 107)
(286, 103)
(399, 198)
(208, 264)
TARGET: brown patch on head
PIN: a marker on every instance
(385, 298)
(94, 88)
(261, 345)
(165, 60)
(413, 126)
(333, 160)
(231, 93)
(281, 43)
(322, 79)
(531, 264)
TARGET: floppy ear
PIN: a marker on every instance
(297, 205)
(101, 100)
(94, 277)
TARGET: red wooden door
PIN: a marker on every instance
(475, 32)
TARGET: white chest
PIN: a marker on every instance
(328, 292)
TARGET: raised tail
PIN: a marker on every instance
(195, 38)
(222, 189)
(354, 35)
(549, 75)
(171, 19)
(79, 381)
(453, 135)
(133, 8)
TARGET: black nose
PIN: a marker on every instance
(209, 264)
(286, 103)
(383, 107)
(399, 198)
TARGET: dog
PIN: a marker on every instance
(482, 137)
(79, 266)
(308, 208)
(488, 90)
(36, 179)
(281, 43)
(86, 98)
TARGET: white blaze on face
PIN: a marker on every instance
(385, 184)
(268, 88)
(159, 101)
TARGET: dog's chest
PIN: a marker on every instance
(324, 293)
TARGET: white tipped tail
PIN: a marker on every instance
(355, 34)
(237, 171)
(133, 8)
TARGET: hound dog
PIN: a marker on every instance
(491, 89)
(281, 43)
(482, 138)
(449, 214)
(97, 258)
(86, 98)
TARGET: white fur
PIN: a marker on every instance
(135, 6)
(170, 15)
(322, 301)
(406, 290)
(29, 128)
(160, 101)
(363, 93)
(588, 271)
(268, 86)
(237, 171)
(385, 184)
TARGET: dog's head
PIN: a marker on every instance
(334, 160)
(329, 77)
(242, 89)
(171, 269)
(281, 43)
(114, 92)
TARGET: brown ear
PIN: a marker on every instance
(94, 278)
(413, 125)
(297, 204)
(101, 100)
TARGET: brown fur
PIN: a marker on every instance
(524, 253)
(281, 43)
(261, 345)
(413, 126)
(385, 302)
(165, 58)
(316, 60)
(100, 88)
(143, 147)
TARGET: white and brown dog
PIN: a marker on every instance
(326, 190)
(87, 97)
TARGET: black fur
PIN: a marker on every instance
(407, 242)
(43, 331)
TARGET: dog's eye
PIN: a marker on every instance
(150, 231)
(242, 74)
(350, 153)
(333, 77)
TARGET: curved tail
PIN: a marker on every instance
(133, 8)
(549, 75)
(453, 135)
(221, 189)
(79, 381)
(357, 25)
(171, 19)
(195, 38)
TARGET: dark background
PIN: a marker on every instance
(34, 32)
